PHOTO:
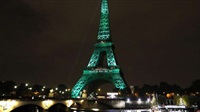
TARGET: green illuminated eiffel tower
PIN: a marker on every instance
(95, 69)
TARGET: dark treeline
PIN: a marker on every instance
(9, 88)
(164, 88)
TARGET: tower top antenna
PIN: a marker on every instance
(104, 29)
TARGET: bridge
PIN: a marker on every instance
(9, 105)
(46, 105)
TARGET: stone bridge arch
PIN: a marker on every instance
(58, 107)
(10, 105)
(28, 108)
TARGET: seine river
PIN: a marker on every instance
(36, 109)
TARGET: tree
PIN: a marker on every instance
(177, 89)
(195, 87)
(62, 87)
(186, 99)
(165, 87)
(37, 88)
(150, 89)
(161, 100)
(6, 87)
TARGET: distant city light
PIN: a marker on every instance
(148, 100)
(128, 100)
(82, 101)
(174, 106)
(112, 95)
(51, 90)
(139, 101)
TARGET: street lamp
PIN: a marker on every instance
(51, 90)
(15, 87)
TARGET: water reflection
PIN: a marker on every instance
(61, 108)
(35, 108)
(116, 110)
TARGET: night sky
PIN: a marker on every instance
(50, 41)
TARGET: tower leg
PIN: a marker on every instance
(75, 92)
(118, 81)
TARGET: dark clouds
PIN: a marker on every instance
(50, 42)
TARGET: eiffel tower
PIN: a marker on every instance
(96, 70)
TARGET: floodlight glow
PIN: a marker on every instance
(69, 103)
(74, 109)
(8, 105)
(47, 103)
(95, 109)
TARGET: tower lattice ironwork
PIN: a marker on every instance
(96, 70)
